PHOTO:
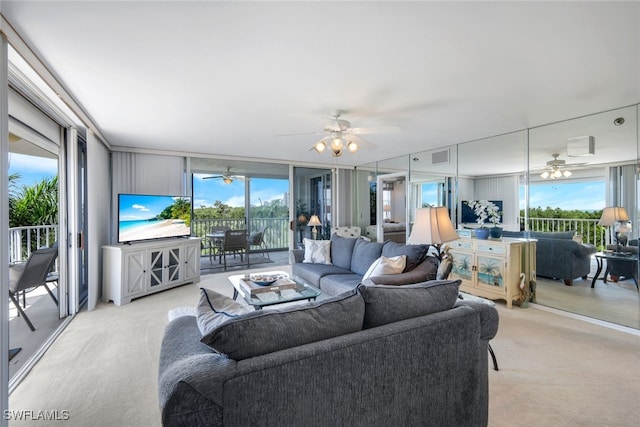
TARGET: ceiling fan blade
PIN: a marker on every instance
(300, 133)
(212, 177)
(372, 130)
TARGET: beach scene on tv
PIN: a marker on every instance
(143, 217)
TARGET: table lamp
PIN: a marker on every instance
(433, 227)
(313, 222)
(614, 216)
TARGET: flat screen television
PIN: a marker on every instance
(146, 217)
(468, 216)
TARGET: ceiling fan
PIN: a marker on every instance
(558, 168)
(226, 178)
(341, 135)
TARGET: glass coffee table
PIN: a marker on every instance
(260, 293)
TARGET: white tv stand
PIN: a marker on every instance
(134, 270)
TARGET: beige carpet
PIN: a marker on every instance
(554, 370)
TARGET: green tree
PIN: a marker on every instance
(33, 205)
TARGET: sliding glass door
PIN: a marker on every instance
(313, 195)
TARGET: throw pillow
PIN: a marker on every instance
(364, 254)
(317, 251)
(265, 331)
(214, 309)
(384, 265)
(387, 303)
(415, 253)
(341, 250)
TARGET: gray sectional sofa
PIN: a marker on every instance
(558, 256)
(374, 356)
(350, 259)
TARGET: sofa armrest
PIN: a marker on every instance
(296, 256)
(583, 250)
(489, 318)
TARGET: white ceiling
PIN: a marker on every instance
(224, 78)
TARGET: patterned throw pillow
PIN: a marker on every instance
(317, 251)
(384, 265)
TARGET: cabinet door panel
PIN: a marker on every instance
(191, 264)
(462, 265)
(172, 259)
(491, 271)
(135, 267)
(157, 267)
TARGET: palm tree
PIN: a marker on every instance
(35, 205)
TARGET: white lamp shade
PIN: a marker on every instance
(612, 215)
(432, 226)
(314, 220)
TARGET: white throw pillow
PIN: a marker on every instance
(317, 251)
(384, 265)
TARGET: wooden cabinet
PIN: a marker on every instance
(492, 268)
(139, 269)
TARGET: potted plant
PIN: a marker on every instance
(486, 211)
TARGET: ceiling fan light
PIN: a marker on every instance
(557, 174)
(566, 174)
(320, 146)
(227, 180)
(336, 143)
(544, 175)
(352, 147)
(336, 153)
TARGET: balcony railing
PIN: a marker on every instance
(276, 236)
(24, 240)
(591, 232)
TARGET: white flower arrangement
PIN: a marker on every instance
(485, 210)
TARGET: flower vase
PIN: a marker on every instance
(482, 233)
(496, 232)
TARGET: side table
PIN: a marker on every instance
(601, 257)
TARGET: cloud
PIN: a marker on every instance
(140, 208)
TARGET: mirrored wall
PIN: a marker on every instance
(552, 182)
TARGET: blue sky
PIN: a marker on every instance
(207, 191)
(587, 196)
(32, 169)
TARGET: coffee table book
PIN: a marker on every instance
(279, 285)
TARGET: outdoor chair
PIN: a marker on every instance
(216, 238)
(235, 242)
(257, 239)
(31, 275)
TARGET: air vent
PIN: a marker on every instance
(440, 157)
(581, 146)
